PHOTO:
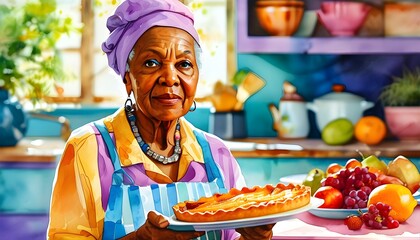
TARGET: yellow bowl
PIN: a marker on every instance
(279, 18)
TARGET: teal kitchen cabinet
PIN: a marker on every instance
(262, 171)
(26, 177)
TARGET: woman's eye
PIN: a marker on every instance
(151, 63)
(185, 64)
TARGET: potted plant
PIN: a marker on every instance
(30, 61)
(401, 100)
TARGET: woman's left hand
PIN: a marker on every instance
(258, 233)
(155, 228)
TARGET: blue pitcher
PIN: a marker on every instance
(13, 120)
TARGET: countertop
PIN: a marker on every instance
(308, 226)
(42, 150)
(305, 225)
(275, 147)
(48, 149)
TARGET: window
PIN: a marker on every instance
(94, 81)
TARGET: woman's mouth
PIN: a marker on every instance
(168, 99)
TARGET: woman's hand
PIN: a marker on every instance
(256, 233)
(155, 227)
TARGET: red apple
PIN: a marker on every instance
(333, 198)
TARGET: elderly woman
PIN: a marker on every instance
(119, 175)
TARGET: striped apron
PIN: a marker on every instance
(129, 204)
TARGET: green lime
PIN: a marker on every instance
(337, 132)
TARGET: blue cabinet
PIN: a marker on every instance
(262, 171)
(25, 192)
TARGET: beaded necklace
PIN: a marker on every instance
(146, 148)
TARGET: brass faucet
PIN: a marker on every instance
(65, 123)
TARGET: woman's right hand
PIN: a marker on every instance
(155, 227)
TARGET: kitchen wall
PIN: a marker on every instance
(80, 115)
(313, 76)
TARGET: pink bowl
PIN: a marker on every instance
(403, 122)
(343, 18)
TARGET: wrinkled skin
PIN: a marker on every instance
(163, 73)
(163, 77)
(156, 225)
(155, 228)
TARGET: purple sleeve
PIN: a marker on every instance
(232, 175)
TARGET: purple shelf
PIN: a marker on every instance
(328, 45)
(318, 45)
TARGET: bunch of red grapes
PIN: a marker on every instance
(355, 184)
(378, 217)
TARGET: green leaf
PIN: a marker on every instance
(30, 62)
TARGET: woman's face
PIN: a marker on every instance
(163, 73)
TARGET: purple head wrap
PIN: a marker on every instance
(134, 17)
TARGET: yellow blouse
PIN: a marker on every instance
(76, 203)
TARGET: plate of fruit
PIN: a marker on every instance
(417, 196)
(336, 213)
(354, 188)
(295, 179)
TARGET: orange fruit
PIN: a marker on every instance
(370, 130)
(353, 163)
(333, 168)
(398, 197)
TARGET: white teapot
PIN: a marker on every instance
(290, 120)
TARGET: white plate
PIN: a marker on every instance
(177, 225)
(416, 195)
(333, 213)
(295, 179)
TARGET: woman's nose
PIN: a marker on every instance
(169, 76)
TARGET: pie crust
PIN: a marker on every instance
(245, 203)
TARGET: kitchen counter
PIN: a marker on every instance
(33, 162)
(275, 147)
(40, 150)
(48, 149)
(308, 226)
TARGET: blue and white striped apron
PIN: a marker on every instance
(128, 205)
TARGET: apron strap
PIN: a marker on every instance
(109, 144)
(112, 153)
(113, 226)
(213, 172)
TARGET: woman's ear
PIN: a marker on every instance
(127, 82)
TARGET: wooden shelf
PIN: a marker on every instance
(318, 45)
(33, 150)
(48, 150)
(328, 45)
(275, 147)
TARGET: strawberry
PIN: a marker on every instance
(353, 222)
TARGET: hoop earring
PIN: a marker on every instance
(192, 109)
(128, 105)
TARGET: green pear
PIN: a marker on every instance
(402, 168)
(374, 162)
(313, 179)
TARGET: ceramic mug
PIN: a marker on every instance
(294, 120)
